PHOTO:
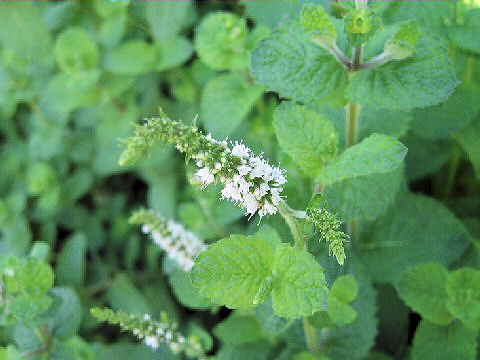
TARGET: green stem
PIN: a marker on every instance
(292, 223)
(289, 216)
(311, 337)
(352, 114)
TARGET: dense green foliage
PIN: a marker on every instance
(353, 148)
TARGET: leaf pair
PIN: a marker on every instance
(242, 271)
(440, 296)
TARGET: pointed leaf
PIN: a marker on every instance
(231, 271)
(309, 138)
(299, 287)
(376, 154)
(422, 287)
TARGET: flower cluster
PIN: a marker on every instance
(328, 226)
(181, 245)
(248, 180)
(152, 332)
(251, 183)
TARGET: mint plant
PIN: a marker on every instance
(308, 189)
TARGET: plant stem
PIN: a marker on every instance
(352, 113)
(311, 337)
(357, 58)
(289, 218)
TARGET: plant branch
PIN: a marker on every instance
(340, 56)
(292, 223)
(378, 60)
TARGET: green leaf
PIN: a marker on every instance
(231, 271)
(76, 51)
(71, 261)
(345, 288)
(112, 30)
(172, 53)
(409, 228)
(433, 342)
(26, 307)
(468, 139)
(220, 41)
(131, 58)
(463, 289)
(289, 64)
(22, 30)
(422, 287)
(226, 101)
(238, 329)
(404, 42)
(425, 79)
(123, 295)
(376, 154)
(425, 156)
(65, 315)
(299, 287)
(272, 14)
(315, 19)
(465, 32)
(442, 120)
(309, 138)
(184, 291)
(270, 323)
(166, 19)
(354, 340)
(257, 351)
(27, 275)
(353, 198)
(340, 313)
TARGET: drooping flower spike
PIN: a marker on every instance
(248, 180)
(181, 245)
(152, 332)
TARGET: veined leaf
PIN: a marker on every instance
(433, 342)
(422, 287)
(231, 271)
(425, 79)
(299, 287)
(376, 154)
(309, 138)
(463, 289)
(226, 101)
(403, 237)
(289, 64)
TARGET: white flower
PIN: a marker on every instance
(205, 176)
(241, 151)
(231, 191)
(250, 203)
(243, 170)
(152, 341)
(181, 245)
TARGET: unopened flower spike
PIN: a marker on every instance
(181, 245)
(329, 228)
(151, 331)
(248, 180)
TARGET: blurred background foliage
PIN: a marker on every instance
(74, 78)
